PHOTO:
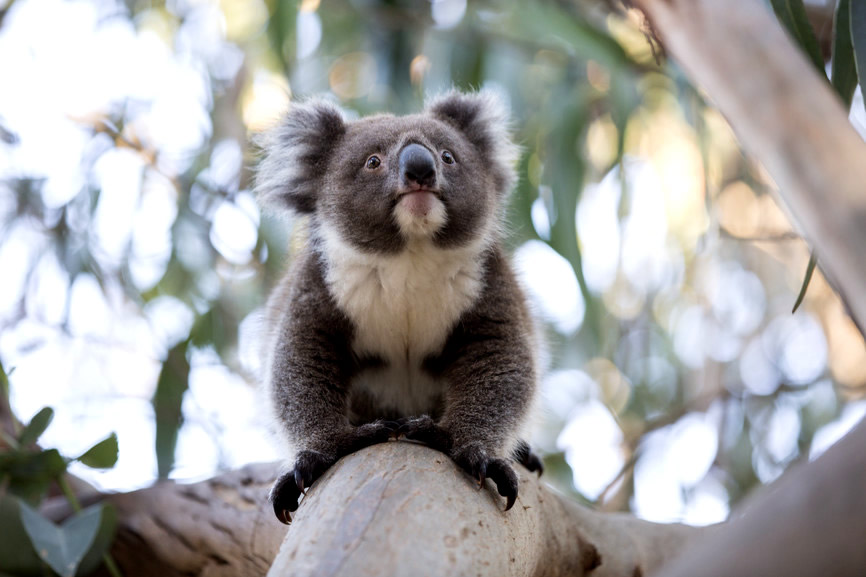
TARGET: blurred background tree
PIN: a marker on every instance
(134, 260)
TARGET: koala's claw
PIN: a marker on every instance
(528, 459)
(476, 462)
(289, 487)
(501, 473)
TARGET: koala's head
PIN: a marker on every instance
(383, 181)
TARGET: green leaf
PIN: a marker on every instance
(30, 473)
(38, 424)
(858, 39)
(16, 552)
(172, 384)
(102, 455)
(792, 14)
(102, 542)
(62, 547)
(809, 270)
(4, 382)
(843, 74)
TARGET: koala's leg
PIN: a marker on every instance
(310, 371)
(489, 366)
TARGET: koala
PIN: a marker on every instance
(401, 317)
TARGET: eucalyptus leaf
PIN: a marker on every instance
(102, 542)
(858, 39)
(30, 473)
(62, 547)
(172, 384)
(4, 382)
(38, 424)
(843, 74)
(102, 455)
(809, 270)
(17, 555)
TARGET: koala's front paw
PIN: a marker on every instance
(370, 434)
(480, 465)
(286, 491)
(425, 430)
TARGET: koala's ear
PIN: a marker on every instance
(484, 119)
(296, 154)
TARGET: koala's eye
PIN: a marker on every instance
(373, 162)
(447, 157)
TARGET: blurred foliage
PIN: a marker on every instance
(694, 326)
(31, 543)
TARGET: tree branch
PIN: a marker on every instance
(404, 509)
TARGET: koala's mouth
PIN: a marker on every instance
(420, 190)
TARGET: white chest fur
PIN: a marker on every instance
(403, 307)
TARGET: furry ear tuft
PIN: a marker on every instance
(485, 120)
(296, 154)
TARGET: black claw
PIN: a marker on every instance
(524, 455)
(505, 478)
(535, 465)
(476, 462)
(287, 490)
(284, 516)
(509, 503)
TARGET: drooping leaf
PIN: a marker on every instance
(38, 424)
(792, 14)
(17, 555)
(172, 384)
(858, 39)
(30, 473)
(62, 547)
(843, 74)
(809, 270)
(102, 455)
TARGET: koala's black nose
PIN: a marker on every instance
(418, 165)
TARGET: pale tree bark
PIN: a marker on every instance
(403, 509)
(221, 527)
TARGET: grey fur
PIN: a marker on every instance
(391, 321)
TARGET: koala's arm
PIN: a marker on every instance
(309, 375)
(489, 364)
